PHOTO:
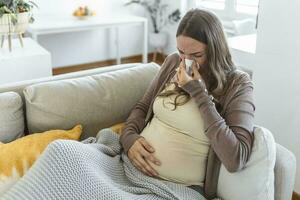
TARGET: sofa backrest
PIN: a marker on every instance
(94, 98)
(19, 86)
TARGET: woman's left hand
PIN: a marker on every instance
(183, 77)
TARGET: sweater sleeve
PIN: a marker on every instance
(136, 120)
(232, 136)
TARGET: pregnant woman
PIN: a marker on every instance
(174, 140)
(187, 124)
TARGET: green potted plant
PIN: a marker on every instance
(160, 18)
(15, 16)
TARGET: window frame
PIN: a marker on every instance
(229, 12)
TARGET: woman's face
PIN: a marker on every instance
(190, 48)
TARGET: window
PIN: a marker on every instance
(212, 4)
(233, 13)
(233, 8)
(247, 6)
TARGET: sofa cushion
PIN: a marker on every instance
(96, 101)
(18, 156)
(256, 180)
(11, 117)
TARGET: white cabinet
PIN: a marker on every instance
(243, 51)
(30, 62)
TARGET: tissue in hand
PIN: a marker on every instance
(188, 64)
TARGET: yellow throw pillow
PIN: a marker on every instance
(117, 128)
(18, 156)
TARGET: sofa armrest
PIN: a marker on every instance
(284, 172)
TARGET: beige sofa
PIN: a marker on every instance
(100, 98)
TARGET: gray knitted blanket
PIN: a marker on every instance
(92, 169)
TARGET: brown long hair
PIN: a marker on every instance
(205, 27)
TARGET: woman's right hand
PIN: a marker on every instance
(140, 153)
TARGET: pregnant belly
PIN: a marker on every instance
(183, 158)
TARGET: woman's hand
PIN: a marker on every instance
(140, 153)
(183, 77)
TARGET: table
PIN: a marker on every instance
(30, 62)
(46, 25)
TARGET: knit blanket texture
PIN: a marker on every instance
(95, 168)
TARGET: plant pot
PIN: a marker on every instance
(158, 40)
(7, 27)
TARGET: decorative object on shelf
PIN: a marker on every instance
(160, 19)
(83, 12)
(15, 16)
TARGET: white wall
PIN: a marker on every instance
(91, 46)
(277, 72)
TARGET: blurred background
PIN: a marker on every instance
(263, 37)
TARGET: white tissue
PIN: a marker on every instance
(188, 64)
